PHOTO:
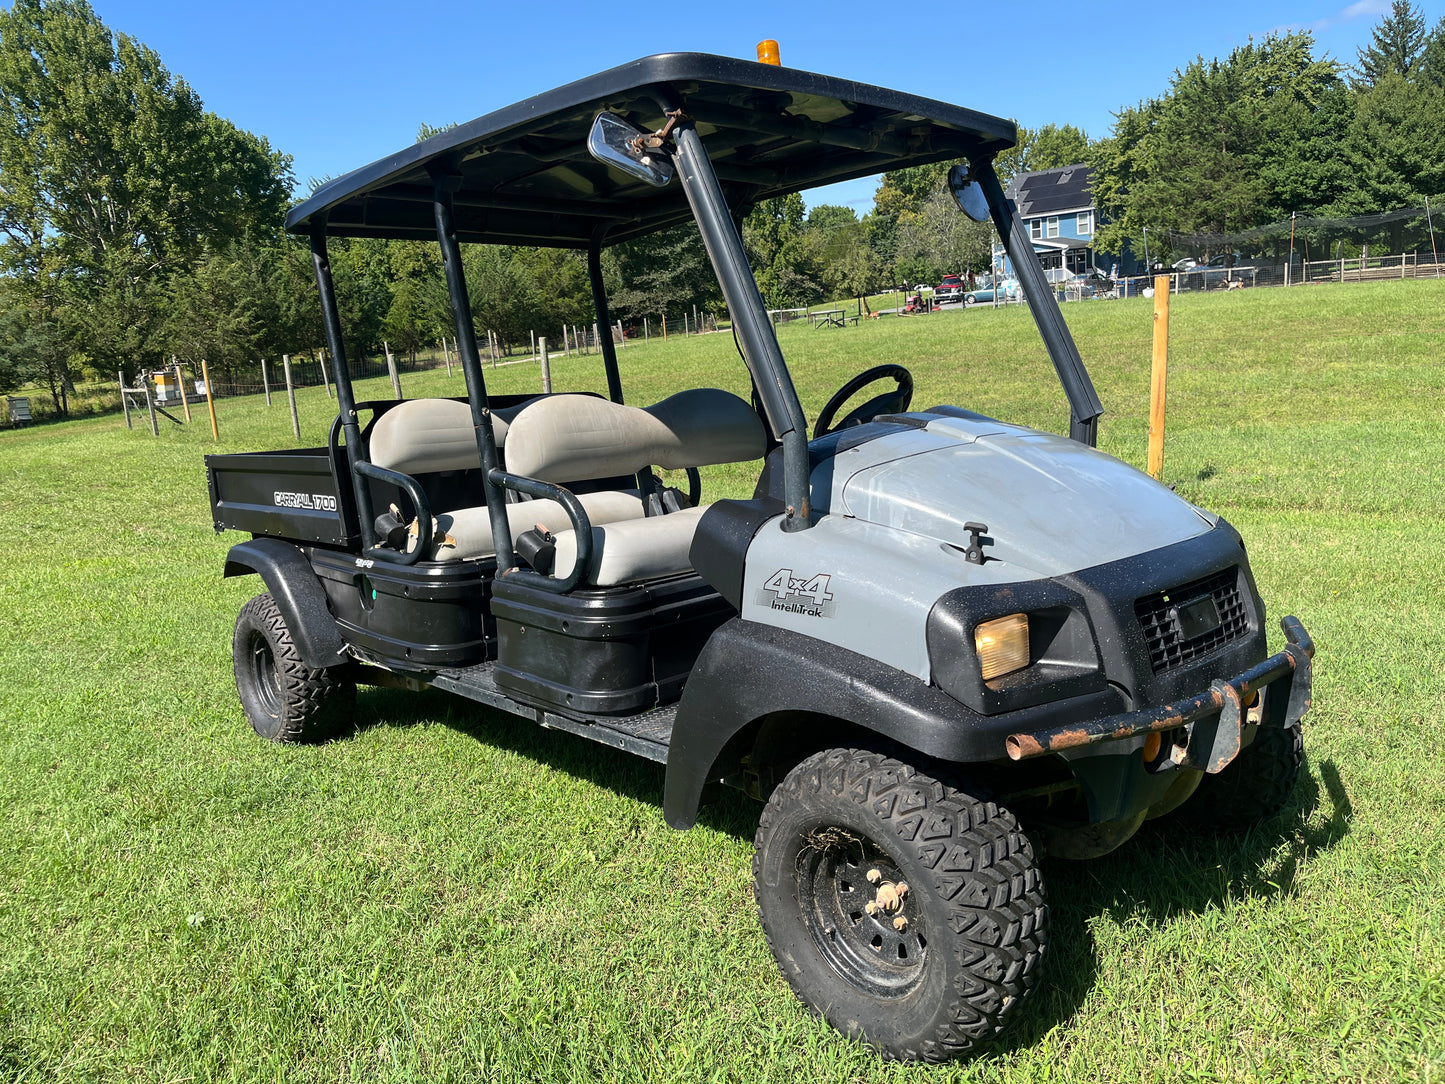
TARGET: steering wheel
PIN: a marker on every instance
(890, 402)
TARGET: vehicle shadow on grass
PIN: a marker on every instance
(1168, 870)
(723, 808)
(623, 773)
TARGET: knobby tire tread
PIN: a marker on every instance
(983, 868)
(1253, 788)
(317, 704)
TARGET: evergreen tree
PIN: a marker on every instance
(1432, 57)
(1232, 145)
(1395, 45)
(1394, 147)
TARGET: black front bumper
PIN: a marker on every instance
(1210, 724)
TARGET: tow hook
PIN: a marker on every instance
(888, 900)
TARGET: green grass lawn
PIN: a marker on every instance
(450, 894)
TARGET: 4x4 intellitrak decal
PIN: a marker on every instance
(805, 595)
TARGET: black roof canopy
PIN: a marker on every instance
(526, 176)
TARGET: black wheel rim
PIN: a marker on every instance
(263, 675)
(834, 892)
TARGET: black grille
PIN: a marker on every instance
(1159, 618)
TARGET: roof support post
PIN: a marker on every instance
(604, 316)
(1084, 405)
(445, 182)
(755, 331)
(345, 395)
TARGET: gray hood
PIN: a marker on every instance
(1052, 505)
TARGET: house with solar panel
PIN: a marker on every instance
(1057, 206)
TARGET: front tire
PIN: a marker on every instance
(907, 913)
(1255, 786)
(284, 699)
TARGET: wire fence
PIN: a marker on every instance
(1400, 244)
(310, 367)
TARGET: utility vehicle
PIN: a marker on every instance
(934, 644)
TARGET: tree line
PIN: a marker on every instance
(136, 225)
(1274, 130)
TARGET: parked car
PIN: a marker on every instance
(950, 289)
(1216, 272)
(1091, 282)
(1009, 290)
(1225, 267)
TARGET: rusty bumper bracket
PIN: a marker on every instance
(1215, 718)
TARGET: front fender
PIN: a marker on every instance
(749, 670)
(298, 593)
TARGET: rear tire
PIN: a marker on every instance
(284, 699)
(1252, 788)
(848, 826)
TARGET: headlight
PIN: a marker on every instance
(1002, 645)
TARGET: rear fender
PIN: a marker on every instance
(298, 594)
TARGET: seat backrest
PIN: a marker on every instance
(421, 436)
(575, 437)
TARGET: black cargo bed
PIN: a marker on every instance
(291, 494)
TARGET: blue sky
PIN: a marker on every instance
(338, 85)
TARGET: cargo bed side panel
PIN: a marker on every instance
(292, 495)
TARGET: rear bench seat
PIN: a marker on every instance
(577, 437)
(428, 436)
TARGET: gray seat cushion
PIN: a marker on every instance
(635, 549)
(423, 436)
(467, 532)
(564, 437)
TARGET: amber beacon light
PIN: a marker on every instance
(768, 53)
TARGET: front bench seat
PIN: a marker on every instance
(427, 436)
(579, 437)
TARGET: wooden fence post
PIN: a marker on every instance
(210, 400)
(124, 402)
(291, 394)
(646, 331)
(181, 383)
(266, 381)
(391, 368)
(546, 365)
(446, 353)
(320, 364)
(621, 335)
(1158, 381)
(150, 408)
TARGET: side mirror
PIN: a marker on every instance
(968, 193)
(613, 142)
